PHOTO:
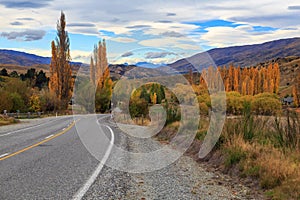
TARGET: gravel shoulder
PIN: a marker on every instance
(183, 179)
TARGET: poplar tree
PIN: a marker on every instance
(61, 83)
(100, 77)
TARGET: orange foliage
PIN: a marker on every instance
(247, 81)
(61, 82)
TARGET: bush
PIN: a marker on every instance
(266, 104)
(18, 102)
(234, 155)
(234, 103)
(6, 103)
(203, 109)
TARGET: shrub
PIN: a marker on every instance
(266, 104)
(234, 155)
(6, 103)
(17, 101)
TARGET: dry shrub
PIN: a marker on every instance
(276, 167)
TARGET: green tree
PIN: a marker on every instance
(144, 94)
(30, 76)
(41, 80)
(103, 96)
(103, 82)
(14, 74)
(6, 103)
(19, 87)
(3, 72)
(85, 96)
(138, 107)
(17, 101)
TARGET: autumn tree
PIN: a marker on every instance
(61, 83)
(92, 72)
(236, 79)
(296, 91)
(100, 77)
(154, 98)
(295, 96)
(231, 78)
(276, 77)
(247, 81)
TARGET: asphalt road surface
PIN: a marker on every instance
(50, 160)
(46, 161)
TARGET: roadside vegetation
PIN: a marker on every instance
(5, 120)
(260, 140)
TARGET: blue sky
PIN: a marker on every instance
(153, 31)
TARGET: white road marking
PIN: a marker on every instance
(27, 128)
(3, 155)
(49, 136)
(5, 134)
(63, 129)
(81, 192)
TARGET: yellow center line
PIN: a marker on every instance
(39, 143)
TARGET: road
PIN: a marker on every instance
(54, 169)
(50, 161)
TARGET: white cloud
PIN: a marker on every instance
(228, 36)
(134, 60)
(123, 39)
(81, 56)
(170, 43)
(109, 15)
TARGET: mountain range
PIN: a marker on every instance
(12, 57)
(247, 55)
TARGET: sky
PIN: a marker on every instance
(143, 30)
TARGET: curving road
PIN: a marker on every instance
(45, 161)
(48, 160)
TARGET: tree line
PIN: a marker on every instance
(246, 81)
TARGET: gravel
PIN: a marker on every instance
(183, 179)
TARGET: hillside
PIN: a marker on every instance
(289, 69)
(21, 58)
(286, 52)
(248, 55)
(11, 57)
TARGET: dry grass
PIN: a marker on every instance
(276, 167)
(5, 120)
(126, 119)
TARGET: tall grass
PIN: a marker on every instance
(265, 148)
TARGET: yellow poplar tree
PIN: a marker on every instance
(61, 82)
(276, 76)
(295, 97)
(102, 81)
(236, 79)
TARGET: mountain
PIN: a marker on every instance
(148, 65)
(248, 55)
(132, 71)
(18, 58)
(21, 58)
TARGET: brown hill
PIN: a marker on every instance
(248, 55)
